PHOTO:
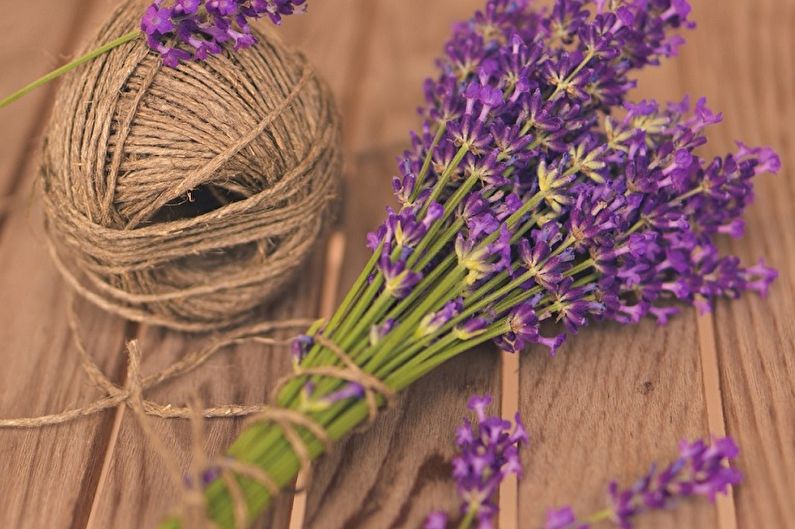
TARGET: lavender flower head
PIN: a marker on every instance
(184, 30)
(537, 190)
(702, 469)
(488, 451)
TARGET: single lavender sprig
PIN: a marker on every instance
(488, 451)
(183, 30)
(534, 192)
(702, 469)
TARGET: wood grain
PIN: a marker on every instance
(753, 45)
(614, 400)
(40, 372)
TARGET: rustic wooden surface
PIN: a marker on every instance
(614, 399)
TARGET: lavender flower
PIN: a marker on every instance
(184, 30)
(557, 197)
(701, 470)
(488, 451)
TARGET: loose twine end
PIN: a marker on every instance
(195, 510)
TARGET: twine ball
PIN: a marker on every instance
(188, 197)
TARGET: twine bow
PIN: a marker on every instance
(288, 420)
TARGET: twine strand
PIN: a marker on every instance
(118, 395)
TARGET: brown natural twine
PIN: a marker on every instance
(188, 197)
(116, 395)
(194, 509)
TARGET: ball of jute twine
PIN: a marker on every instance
(188, 197)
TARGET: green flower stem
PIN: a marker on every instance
(467, 312)
(434, 300)
(399, 359)
(449, 207)
(438, 244)
(597, 517)
(345, 306)
(426, 164)
(66, 68)
(422, 287)
(445, 178)
(469, 517)
(361, 351)
(435, 361)
(405, 304)
(477, 301)
(367, 320)
(360, 281)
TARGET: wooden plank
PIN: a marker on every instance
(47, 473)
(397, 471)
(394, 474)
(613, 400)
(752, 45)
(35, 40)
(753, 336)
(137, 493)
(407, 38)
(592, 401)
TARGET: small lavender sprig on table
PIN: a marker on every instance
(702, 469)
(534, 192)
(488, 451)
(185, 30)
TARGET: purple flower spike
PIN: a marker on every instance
(488, 451)
(702, 469)
(349, 391)
(300, 347)
(184, 30)
(563, 519)
(552, 193)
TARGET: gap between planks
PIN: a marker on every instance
(713, 398)
(509, 407)
(350, 104)
(335, 255)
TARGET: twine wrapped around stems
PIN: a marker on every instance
(188, 197)
(292, 423)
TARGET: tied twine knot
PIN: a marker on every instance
(188, 197)
(195, 508)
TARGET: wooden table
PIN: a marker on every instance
(615, 399)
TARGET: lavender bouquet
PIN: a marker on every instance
(535, 192)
